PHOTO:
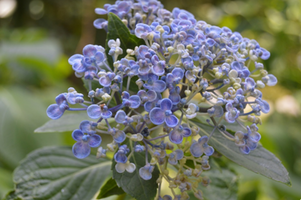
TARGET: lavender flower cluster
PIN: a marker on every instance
(186, 69)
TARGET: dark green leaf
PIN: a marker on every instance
(223, 185)
(11, 196)
(54, 173)
(117, 29)
(132, 184)
(110, 188)
(259, 160)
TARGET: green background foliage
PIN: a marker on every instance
(39, 36)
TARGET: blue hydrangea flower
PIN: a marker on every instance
(81, 148)
(92, 55)
(163, 114)
(73, 97)
(264, 106)
(247, 141)
(177, 134)
(118, 135)
(150, 95)
(154, 84)
(232, 113)
(201, 147)
(269, 80)
(174, 95)
(95, 111)
(120, 155)
(175, 156)
(55, 111)
(88, 127)
(106, 79)
(122, 118)
(243, 72)
(146, 172)
(132, 101)
(139, 148)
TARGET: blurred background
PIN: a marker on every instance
(38, 36)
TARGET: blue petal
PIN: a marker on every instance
(77, 58)
(120, 157)
(54, 111)
(159, 68)
(100, 23)
(157, 116)
(99, 57)
(120, 116)
(171, 121)
(204, 139)
(146, 172)
(152, 95)
(175, 136)
(174, 97)
(88, 127)
(148, 106)
(135, 101)
(61, 98)
(106, 114)
(264, 106)
(77, 135)
(119, 136)
(209, 151)
(186, 132)
(179, 153)
(172, 159)
(79, 67)
(272, 80)
(196, 149)
(81, 150)
(105, 81)
(265, 54)
(166, 104)
(245, 149)
(159, 86)
(100, 11)
(89, 50)
(94, 140)
(93, 111)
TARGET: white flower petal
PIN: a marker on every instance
(130, 167)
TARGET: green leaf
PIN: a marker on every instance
(223, 185)
(133, 184)
(68, 122)
(260, 160)
(11, 196)
(117, 29)
(21, 111)
(110, 188)
(54, 173)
